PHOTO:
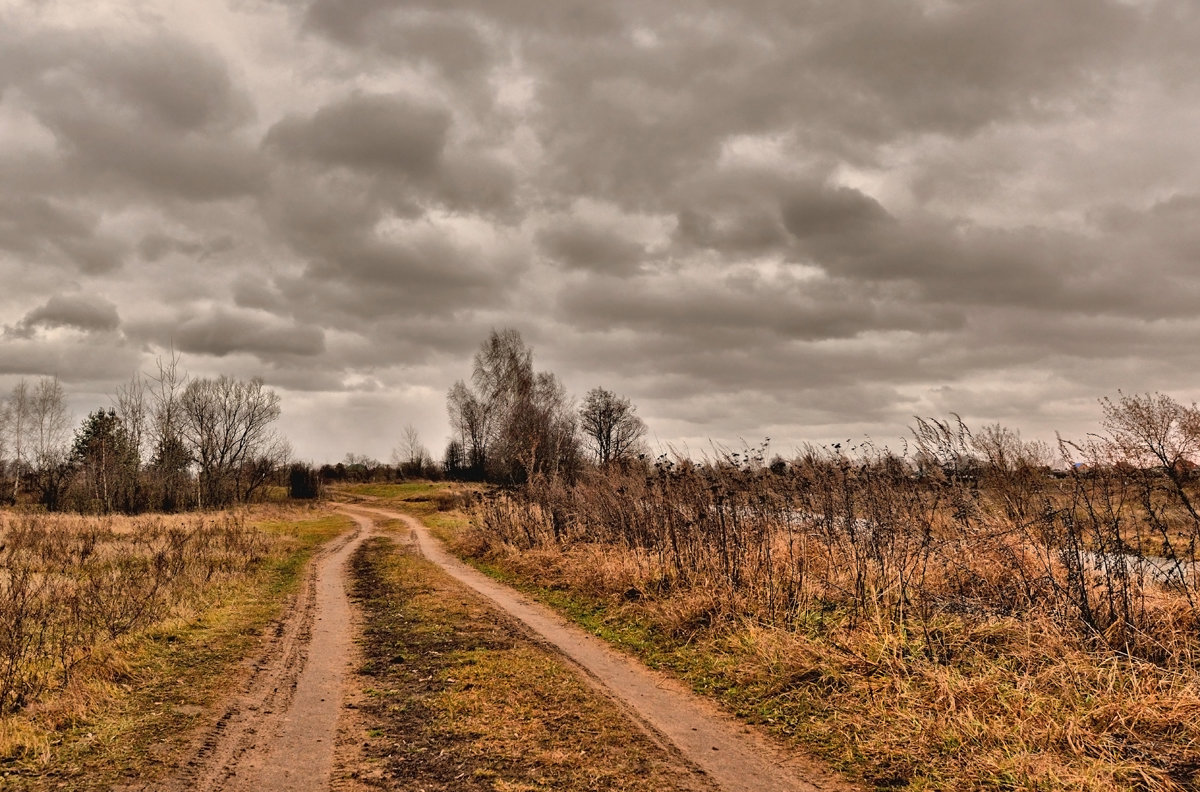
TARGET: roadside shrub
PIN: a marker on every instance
(304, 482)
(906, 540)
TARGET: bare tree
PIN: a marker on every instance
(539, 432)
(133, 410)
(1152, 429)
(5, 412)
(49, 434)
(273, 456)
(471, 420)
(227, 426)
(610, 425)
(360, 467)
(454, 459)
(410, 456)
(169, 457)
(513, 423)
(18, 408)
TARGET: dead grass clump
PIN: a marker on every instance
(69, 586)
(936, 622)
(1056, 717)
(451, 499)
(685, 615)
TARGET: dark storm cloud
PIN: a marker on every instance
(450, 43)
(365, 132)
(154, 246)
(954, 67)
(73, 362)
(352, 185)
(838, 78)
(89, 313)
(356, 280)
(165, 81)
(820, 211)
(224, 332)
(255, 291)
(396, 152)
(354, 268)
(43, 230)
(961, 263)
(197, 170)
(748, 307)
(810, 215)
(354, 22)
(742, 231)
(577, 244)
(153, 112)
(160, 77)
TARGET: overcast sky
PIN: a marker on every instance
(802, 219)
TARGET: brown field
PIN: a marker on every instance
(994, 631)
(120, 631)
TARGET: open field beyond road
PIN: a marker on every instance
(134, 705)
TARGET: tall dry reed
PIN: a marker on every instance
(872, 536)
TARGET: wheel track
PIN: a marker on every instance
(244, 733)
(735, 757)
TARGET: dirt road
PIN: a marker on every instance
(732, 756)
(277, 733)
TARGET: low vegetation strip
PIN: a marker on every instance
(142, 623)
(1016, 707)
(947, 693)
(457, 699)
(910, 651)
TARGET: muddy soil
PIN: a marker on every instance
(277, 732)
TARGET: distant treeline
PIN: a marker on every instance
(169, 442)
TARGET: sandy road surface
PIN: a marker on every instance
(734, 757)
(277, 732)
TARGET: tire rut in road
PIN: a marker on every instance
(733, 756)
(278, 731)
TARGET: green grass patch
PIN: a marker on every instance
(419, 498)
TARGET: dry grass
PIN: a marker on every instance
(1008, 704)
(124, 708)
(933, 635)
(460, 700)
(71, 586)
